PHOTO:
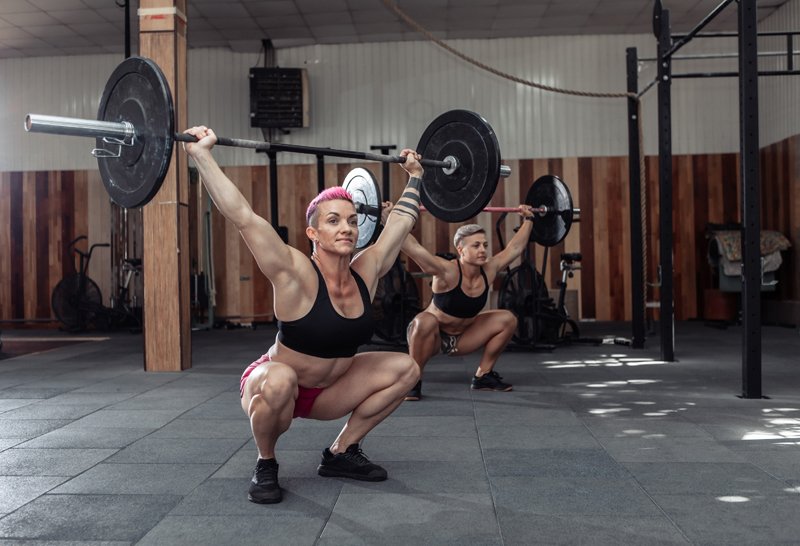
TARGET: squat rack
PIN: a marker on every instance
(748, 75)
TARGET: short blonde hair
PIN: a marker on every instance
(465, 231)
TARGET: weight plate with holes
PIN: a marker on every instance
(469, 138)
(363, 187)
(137, 92)
(551, 192)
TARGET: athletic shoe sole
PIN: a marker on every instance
(322, 471)
(266, 500)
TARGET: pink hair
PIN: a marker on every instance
(331, 194)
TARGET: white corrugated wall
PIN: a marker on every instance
(387, 93)
(64, 86)
(781, 94)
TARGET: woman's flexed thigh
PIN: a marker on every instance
(485, 326)
(376, 377)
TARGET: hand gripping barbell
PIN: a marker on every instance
(549, 197)
(136, 119)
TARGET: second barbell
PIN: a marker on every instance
(549, 197)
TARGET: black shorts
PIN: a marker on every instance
(449, 343)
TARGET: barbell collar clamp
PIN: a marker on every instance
(453, 165)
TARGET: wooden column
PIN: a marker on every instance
(167, 332)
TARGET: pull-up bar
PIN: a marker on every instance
(731, 34)
(701, 56)
(692, 33)
(694, 75)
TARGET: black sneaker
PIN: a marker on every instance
(415, 393)
(490, 382)
(350, 464)
(264, 488)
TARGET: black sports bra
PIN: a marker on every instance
(457, 304)
(325, 333)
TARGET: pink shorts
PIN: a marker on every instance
(305, 396)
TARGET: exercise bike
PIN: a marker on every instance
(78, 304)
(542, 323)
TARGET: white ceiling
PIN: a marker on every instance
(30, 28)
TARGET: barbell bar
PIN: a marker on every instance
(363, 208)
(124, 131)
(136, 116)
(548, 196)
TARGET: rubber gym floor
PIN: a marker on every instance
(596, 444)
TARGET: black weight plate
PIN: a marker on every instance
(470, 139)
(658, 9)
(363, 187)
(551, 192)
(137, 92)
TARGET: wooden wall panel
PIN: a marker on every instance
(227, 249)
(602, 271)
(41, 193)
(624, 221)
(66, 209)
(262, 290)
(7, 281)
(651, 237)
(793, 181)
(98, 230)
(700, 197)
(29, 246)
(780, 179)
(243, 259)
(53, 220)
(586, 226)
(618, 259)
(18, 278)
(573, 241)
(41, 212)
(684, 240)
(218, 258)
(511, 189)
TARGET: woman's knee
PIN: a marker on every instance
(410, 372)
(509, 320)
(404, 369)
(423, 325)
(277, 384)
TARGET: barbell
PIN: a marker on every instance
(135, 133)
(549, 197)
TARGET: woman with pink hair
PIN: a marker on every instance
(323, 307)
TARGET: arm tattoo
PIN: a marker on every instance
(414, 183)
(405, 213)
(409, 206)
(410, 195)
